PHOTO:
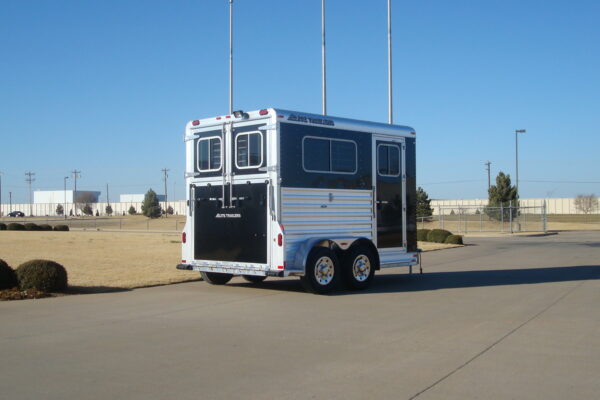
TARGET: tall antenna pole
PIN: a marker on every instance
(323, 68)
(165, 176)
(389, 35)
(230, 57)
(29, 180)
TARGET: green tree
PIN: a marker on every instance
(150, 206)
(170, 210)
(131, 210)
(423, 203)
(87, 210)
(108, 210)
(60, 209)
(501, 196)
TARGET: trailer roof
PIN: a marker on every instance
(303, 118)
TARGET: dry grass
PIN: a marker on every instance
(102, 259)
(105, 260)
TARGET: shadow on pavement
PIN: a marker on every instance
(403, 282)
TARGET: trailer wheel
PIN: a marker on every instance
(358, 268)
(215, 278)
(254, 278)
(322, 271)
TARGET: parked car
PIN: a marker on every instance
(16, 214)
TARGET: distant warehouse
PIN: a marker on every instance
(65, 196)
(137, 198)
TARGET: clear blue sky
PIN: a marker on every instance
(107, 87)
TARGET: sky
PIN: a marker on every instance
(107, 87)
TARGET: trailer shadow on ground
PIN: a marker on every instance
(390, 283)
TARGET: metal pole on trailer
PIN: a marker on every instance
(230, 57)
(389, 36)
(323, 61)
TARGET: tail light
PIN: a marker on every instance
(183, 237)
(280, 240)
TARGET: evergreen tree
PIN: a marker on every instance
(108, 210)
(87, 210)
(60, 210)
(503, 194)
(150, 206)
(131, 210)
(423, 203)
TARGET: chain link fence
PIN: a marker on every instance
(465, 219)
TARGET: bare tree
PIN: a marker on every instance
(586, 203)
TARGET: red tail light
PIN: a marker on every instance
(183, 237)
(280, 240)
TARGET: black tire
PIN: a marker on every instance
(254, 278)
(358, 268)
(215, 278)
(322, 272)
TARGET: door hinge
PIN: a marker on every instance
(191, 174)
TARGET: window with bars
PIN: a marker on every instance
(209, 154)
(329, 155)
(388, 160)
(249, 150)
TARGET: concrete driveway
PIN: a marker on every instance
(503, 318)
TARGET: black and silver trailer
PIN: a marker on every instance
(280, 193)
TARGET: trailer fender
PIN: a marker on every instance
(343, 243)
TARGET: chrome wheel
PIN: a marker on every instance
(324, 271)
(361, 268)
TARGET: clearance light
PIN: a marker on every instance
(196, 123)
(218, 117)
(183, 237)
(183, 261)
(263, 112)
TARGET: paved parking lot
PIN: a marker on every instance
(498, 319)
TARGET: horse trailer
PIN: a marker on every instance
(282, 193)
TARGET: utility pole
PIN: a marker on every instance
(230, 57)
(9, 201)
(30, 179)
(65, 199)
(165, 176)
(389, 37)
(76, 174)
(488, 171)
(517, 131)
(1, 194)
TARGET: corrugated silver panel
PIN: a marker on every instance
(327, 213)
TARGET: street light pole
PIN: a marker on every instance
(517, 131)
(65, 209)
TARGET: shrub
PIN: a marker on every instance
(87, 210)
(64, 228)
(438, 235)
(30, 226)
(422, 234)
(15, 226)
(131, 210)
(8, 278)
(454, 239)
(2, 226)
(45, 227)
(44, 275)
(108, 210)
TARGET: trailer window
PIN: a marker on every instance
(388, 160)
(249, 150)
(209, 154)
(329, 155)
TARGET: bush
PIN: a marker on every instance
(2, 226)
(30, 226)
(45, 227)
(8, 278)
(15, 226)
(64, 228)
(422, 234)
(438, 235)
(131, 210)
(454, 239)
(44, 275)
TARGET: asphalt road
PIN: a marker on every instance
(510, 318)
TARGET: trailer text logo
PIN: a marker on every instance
(309, 120)
(227, 215)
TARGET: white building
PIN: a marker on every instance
(64, 196)
(137, 198)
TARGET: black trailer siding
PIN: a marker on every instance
(411, 194)
(292, 170)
